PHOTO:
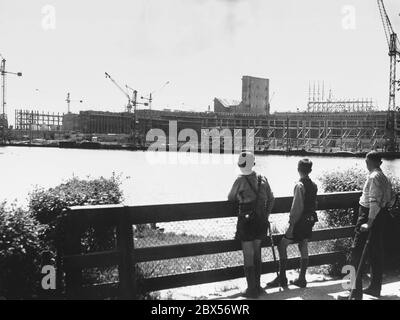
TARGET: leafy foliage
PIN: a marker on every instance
(20, 250)
(46, 205)
(25, 234)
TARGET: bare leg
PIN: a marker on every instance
(248, 253)
(249, 269)
(257, 262)
(301, 281)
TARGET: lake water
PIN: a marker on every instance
(152, 178)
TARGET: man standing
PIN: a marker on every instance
(376, 196)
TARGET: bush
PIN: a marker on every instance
(351, 179)
(47, 205)
(25, 234)
(20, 252)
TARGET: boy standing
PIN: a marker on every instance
(301, 221)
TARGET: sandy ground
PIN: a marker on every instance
(319, 288)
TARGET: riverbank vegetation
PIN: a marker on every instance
(26, 233)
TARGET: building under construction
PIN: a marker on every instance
(327, 125)
(32, 124)
(38, 121)
(318, 131)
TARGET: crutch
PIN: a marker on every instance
(273, 248)
(360, 265)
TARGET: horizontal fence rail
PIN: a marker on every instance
(125, 256)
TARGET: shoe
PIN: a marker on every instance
(346, 296)
(260, 291)
(251, 291)
(278, 282)
(250, 294)
(301, 283)
(372, 292)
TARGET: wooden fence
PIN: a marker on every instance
(72, 261)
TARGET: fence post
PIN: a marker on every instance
(73, 246)
(126, 265)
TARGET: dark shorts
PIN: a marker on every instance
(251, 231)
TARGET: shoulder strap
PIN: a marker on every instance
(256, 192)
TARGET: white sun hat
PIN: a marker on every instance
(246, 162)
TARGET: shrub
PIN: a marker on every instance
(47, 204)
(351, 179)
(20, 252)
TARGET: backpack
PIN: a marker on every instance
(248, 211)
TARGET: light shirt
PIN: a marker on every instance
(377, 191)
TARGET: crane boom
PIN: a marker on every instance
(129, 105)
(394, 46)
(387, 25)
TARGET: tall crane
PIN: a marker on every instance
(68, 100)
(150, 100)
(394, 47)
(129, 105)
(3, 73)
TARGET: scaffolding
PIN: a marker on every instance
(319, 102)
(322, 133)
(38, 121)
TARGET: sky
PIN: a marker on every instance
(202, 47)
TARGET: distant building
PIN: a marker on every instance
(70, 122)
(99, 122)
(255, 98)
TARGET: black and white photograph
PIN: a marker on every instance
(217, 152)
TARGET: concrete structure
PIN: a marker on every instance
(255, 95)
(71, 122)
(255, 98)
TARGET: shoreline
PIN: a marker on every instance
(304, 153)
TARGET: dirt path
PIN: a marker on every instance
(319, 288)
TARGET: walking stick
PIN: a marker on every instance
(361, 263)
(273, 247)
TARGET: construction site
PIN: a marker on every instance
(326, 124)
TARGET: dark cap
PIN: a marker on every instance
(305, 166)
(374, 156)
